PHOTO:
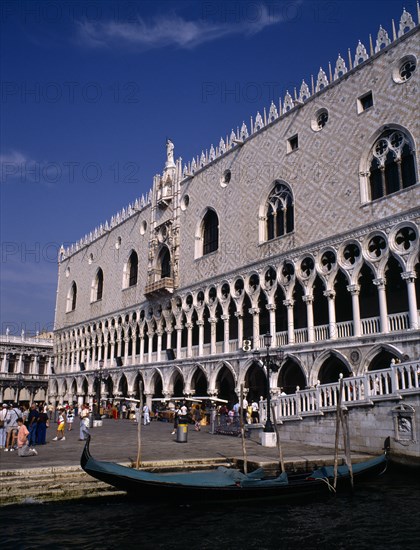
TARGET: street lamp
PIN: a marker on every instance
(19, 383)
(267, 343)
(98, 390)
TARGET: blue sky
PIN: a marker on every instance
(91, 90)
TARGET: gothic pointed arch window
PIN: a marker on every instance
(165, 263)
(279, 211)
(72, 297)
(391, 164)
(210, 232)
(97, 286)
(131, 270)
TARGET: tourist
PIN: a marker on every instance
(70, 419)
(115, 412)
(12, 427)
(123, 411)
(146, 414)
(23, 441)
(177, 413)
(84, 423)
(3, 413)
(32, 424)
(43, 423)
(255, 415)
(197, 418)
(61, 426)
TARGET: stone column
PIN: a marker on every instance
(272, 312)
(383, 310)
(212, 321)
(125, 358)
(189, 339)
(133, 347)
(330, 295)
(200, 337)
(239, 316)
(357, 325)
(309, 300)
(34, 367)
(225, 319)
(112, 358)
(159, 345)
(290, 321)
(255, 326)
(20, 363)
(178, 329)
(150, 350)
(141, 349)
(409, 277)
(5, 363)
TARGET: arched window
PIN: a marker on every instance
(72, 297)
(210, 232)
(165, 263)
(392, 164)
(97, 286)
(280, 212)
(133, 265)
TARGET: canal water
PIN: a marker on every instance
(381, 514)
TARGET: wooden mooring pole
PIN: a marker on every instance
(276, 429)
(138, 461)
(241, 420)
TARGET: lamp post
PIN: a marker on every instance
(267, 343)
(99, 388)
(19, 383)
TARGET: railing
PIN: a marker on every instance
(31, 340)
(398, 380)
(226, 425)
(369, 326)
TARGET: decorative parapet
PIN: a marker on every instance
(137, 206)
(236, 138)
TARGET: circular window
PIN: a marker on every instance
(320, 120)
(143, 227)
(404, 69)
(185, 201)
(225, 179)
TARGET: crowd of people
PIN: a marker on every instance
(22, 428)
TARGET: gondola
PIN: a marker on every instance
(219, 484)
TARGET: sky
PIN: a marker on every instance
(90, 91)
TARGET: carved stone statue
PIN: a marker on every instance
(169, 154)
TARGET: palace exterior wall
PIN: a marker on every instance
(111, 259)
(323, 172)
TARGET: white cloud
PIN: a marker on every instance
(12, 165)
(170, 30)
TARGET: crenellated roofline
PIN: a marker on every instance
(237, 138)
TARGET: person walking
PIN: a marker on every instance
(146, 415)
(3, 414)
(84, 423)
(61, 426)
(70, 419)
(197, 418)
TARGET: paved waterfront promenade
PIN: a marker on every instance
(117, 441)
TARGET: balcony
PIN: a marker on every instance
(161, 287)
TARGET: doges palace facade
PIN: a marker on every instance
(305, 223)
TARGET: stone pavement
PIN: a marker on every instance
(117, 441)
